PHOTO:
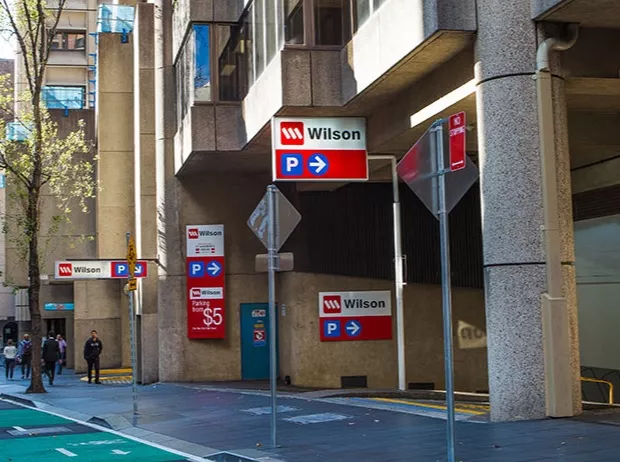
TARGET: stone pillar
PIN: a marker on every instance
(171, 269)
(512, 209)
(144, 187)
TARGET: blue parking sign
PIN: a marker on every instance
(331, 328)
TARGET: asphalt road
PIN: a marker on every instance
(29, 435)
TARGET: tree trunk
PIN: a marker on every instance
(34, 272)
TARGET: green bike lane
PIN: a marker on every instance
(30, 435)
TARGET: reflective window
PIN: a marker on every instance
(69, 41)
(364, 9)
(259, 36)
(202, 63)
(294, 22)
(232, 66)
(331, 22)
(271, 29)
(56, 97)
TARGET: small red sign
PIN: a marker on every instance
(338, 329)
(332, 304)
(192, 233)
(457, 141)
(259, 335)
(65, 269)
(326, 165)
(292, 133)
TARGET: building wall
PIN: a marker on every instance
(312, 363)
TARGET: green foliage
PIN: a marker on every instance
(46, 165)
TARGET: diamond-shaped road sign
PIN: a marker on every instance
(419, 170)
(286, 219)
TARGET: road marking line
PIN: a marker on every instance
(430, 406)
(114, 432)
(20, 429)
(66, 453)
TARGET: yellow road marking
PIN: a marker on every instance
(463, 409)
(115, 371)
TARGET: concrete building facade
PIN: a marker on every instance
(183, 109)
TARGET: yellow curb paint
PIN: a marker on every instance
(440, 407)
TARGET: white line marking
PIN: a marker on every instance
(114, 432)
(316, 418)
(20, 429)
(66, 453)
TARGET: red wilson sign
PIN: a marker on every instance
(457, 141)
(206, 302)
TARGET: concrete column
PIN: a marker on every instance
(512, 209)
(171, 269)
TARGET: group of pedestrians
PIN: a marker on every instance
(53, 356)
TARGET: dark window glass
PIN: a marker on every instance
(329, 22)
(202, 63)
(259, 37)
(362, 12)
(70, 41)
(232, 62)
(271, 26)
(294, 22)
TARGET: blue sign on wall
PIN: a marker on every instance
(58, 307)
(2, 181)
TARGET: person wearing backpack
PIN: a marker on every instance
(24, 355)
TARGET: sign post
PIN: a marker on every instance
(271, 271)
(272, 221)
(440, 181)
(131, 287)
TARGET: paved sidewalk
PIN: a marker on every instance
(325, 429)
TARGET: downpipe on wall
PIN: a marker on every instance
(556, 327)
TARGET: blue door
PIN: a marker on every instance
(255, 340)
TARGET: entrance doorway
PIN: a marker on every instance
(9, 332)
(255, 338)
(56, 325)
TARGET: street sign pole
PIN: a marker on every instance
(398, 273)
(445, 286)
(271, 249)
(132, 324)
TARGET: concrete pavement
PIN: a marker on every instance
(311, 428)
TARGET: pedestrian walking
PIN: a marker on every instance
(62, 345)
(10, 353)
(50, 355)
(24, 354)
(92, 350)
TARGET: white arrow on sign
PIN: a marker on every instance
(353, 328)
(318, 164)
(119, 452)
(214, 268)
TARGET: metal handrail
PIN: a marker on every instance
(604, 382)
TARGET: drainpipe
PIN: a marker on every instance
(556, 327)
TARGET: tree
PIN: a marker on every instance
(38, 159)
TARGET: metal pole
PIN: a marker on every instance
(398, 274)
(132, 334)
(446, 292)
(271, 249)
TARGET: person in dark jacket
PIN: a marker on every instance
(50, 355)
(92, 351)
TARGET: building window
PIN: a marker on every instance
(331, 22)
(259, 36)
(294, 22)
(56, 97)
(69, 41)
(232, 52)
(364, 9)
(202, 63)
